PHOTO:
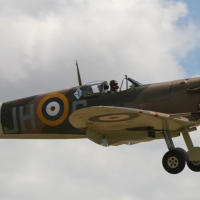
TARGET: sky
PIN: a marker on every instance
(193, 56)
(150, 41)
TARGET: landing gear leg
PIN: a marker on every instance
(174, 160)
(168, 140)
(193, 152)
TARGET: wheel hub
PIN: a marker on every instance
(196, 163)
(173, 162)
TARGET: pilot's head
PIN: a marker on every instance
(114, 86)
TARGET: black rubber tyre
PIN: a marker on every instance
(183, 152)
(194, 166)
(174, 161)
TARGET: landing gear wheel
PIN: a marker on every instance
(174, 161)
(186, 157)
(194, 165)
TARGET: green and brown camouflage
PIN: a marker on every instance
(139, 113)
(27, 117)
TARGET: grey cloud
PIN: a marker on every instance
(98, 38)
(38, 8)
(109, 39)
(79, 169)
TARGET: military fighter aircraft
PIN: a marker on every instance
(139, 113)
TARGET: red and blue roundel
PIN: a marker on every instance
(53, 109)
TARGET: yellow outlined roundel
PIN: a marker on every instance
(63, 109)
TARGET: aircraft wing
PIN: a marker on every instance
(119, 125)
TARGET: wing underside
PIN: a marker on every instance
(116, 125)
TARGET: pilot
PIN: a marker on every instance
(114, 86)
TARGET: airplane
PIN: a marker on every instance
(135, 113)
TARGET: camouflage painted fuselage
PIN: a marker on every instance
(47, 115)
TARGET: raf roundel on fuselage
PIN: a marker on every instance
(53, 109)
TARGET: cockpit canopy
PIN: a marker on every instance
(93, 87)
(102, 87)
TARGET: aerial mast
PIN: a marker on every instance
(78, 73)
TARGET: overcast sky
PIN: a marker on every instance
(40, 40)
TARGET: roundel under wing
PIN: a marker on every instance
(53, 109)
(104, 117)
(118, 118)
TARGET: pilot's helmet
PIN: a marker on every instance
(114, 84)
